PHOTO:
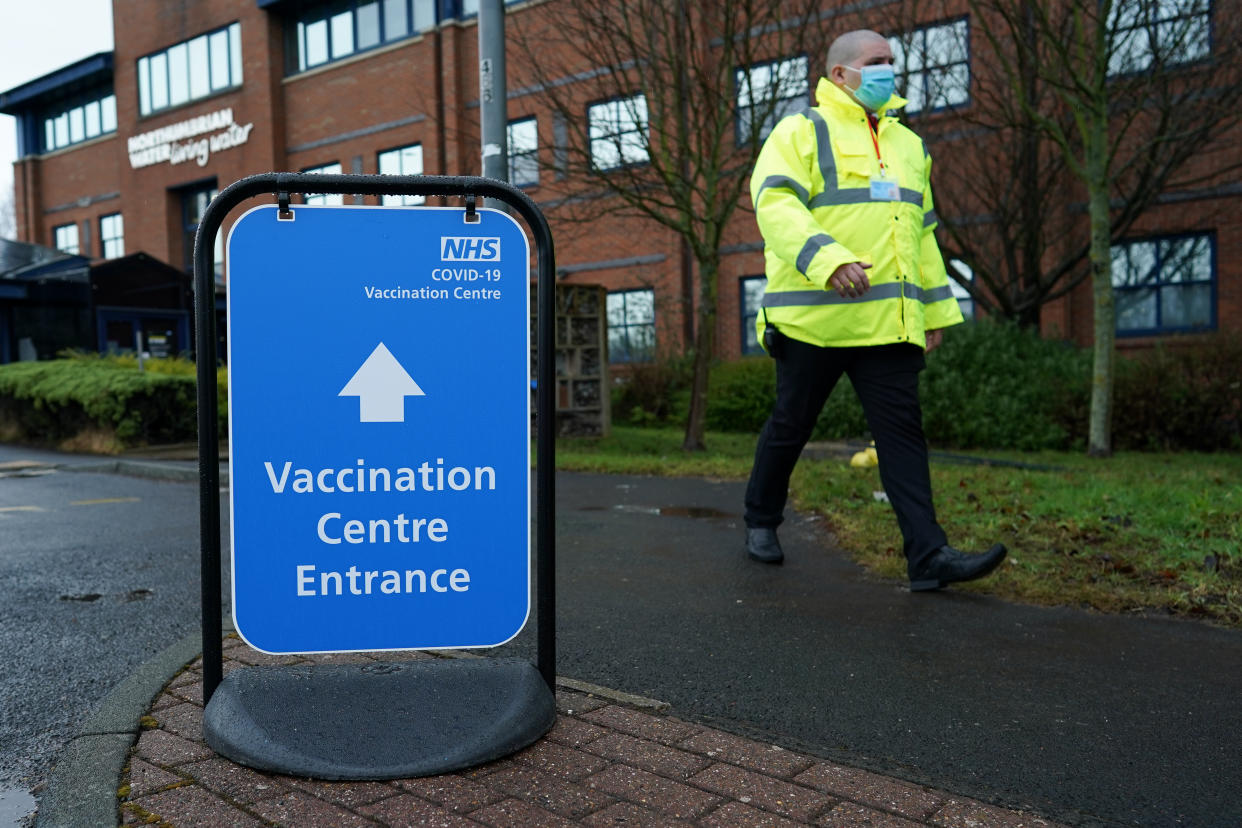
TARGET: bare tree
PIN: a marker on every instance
(684, 93)
(1103, 108)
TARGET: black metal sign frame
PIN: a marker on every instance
(281, 185)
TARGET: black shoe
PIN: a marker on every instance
(762, 545)
(947, 565)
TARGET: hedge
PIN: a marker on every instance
(55, 402)
(995, 386)
(989, 386)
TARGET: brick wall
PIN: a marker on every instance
(424, 90)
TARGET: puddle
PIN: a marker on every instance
(665, 511)
(15, 806)
(31, 472)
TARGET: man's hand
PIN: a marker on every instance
(850, 279)
(933, 340)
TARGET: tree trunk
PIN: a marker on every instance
(1028, 293)
(1100, 432)
(704, 355)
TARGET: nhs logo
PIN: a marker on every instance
(469, 249)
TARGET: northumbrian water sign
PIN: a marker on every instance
(379, 418)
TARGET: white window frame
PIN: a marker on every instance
(786, 81)
(325, 199)
(630, 320)
(1143, 33)
(965, 273)
(190, 70)
(1159, 272)
(112, 236)
(750, 305)
(406, 160)
(327, 32)
(932, 64)
(523, 140)
(617, 130)
(79, 123)
(66, 238)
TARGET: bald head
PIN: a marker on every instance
(849, 47)
(849, 54)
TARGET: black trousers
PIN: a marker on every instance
(886, 378)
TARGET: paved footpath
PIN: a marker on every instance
(610, 759)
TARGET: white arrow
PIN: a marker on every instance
(381, 386)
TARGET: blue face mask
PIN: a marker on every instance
(876, 86)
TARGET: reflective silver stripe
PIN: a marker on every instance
(794, 298)
(937, 294)
(877, 293)
(823, 149)
(859, 195)
(784, 182)
(842, 195)
(929, 218)
(813, 245)
(833, 195)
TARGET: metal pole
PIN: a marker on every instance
(493, 122)
(208, 447)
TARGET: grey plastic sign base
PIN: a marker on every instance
(380, 720)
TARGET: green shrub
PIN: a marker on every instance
(988, 386)
(842, 417)
(653, 393)
(1180, 396)
(55, 401)
(742, 394)
(994, 385)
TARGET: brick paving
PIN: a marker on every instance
(603, 764)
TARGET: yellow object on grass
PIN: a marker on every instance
(866, 458)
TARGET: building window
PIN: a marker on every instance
(1165, 285)
(190, 70)
(749, 301)
(65, 238)
(523, 139)
(964, 273)
(329, 199)
(112, 236)
(80, 122)
(193, 204)
(618, 132)
(631, 326)
(402, 161)
(1167, 33)
(769, 91)
(933, 66)
(330, 31)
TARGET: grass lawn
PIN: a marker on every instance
(1154, 532)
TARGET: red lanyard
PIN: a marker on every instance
(875, 141)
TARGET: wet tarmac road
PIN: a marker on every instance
(98, 573)
(1087, 718)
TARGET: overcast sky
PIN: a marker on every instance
(41, 37)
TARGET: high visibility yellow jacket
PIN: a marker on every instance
(812, 193)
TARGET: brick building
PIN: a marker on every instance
(121, 151)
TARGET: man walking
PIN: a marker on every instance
(856, 285)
